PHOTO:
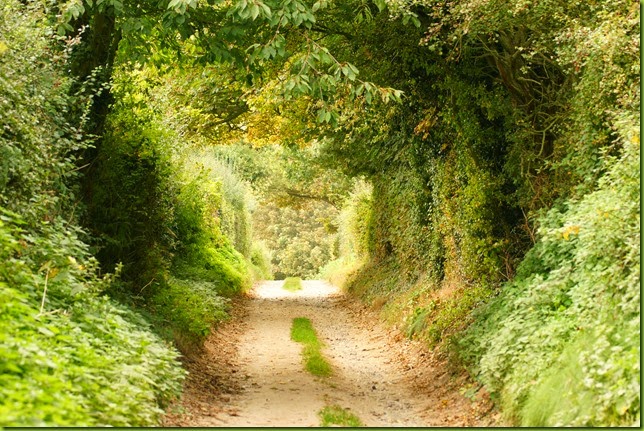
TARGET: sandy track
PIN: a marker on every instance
(251, 373)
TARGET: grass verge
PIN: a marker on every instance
(336, 415)
(292, 284)
(302, 332)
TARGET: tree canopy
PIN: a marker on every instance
(468, 167)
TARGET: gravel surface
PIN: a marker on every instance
(251, 373)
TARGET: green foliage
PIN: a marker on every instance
(237, 201)
(355, 236)
(205, 266)
(298, 238)
(190, 308)
(67, 352)
(204, 252)
(568, 325)
(292, 284)
(260, 259)
(357, 229)
(302, 332)
(204, 248)
(336, 415)
(508, 129)
(181, 224)
(131, 203)
(37, 143)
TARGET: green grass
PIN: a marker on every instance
(292, 284)
(302, 332)
(336, 415)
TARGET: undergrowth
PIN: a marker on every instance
(180, 227)
(503, 227)
(69, 355)
(560, 345)
(260, 261)
(188, 310)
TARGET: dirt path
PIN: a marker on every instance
(251, 373)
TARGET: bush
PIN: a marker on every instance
(237, 201)
(130, 194)
(560, 344)
(204, 252)
(205, 269)
(69, 354)
(177, 219)
(189, 308)
(260, 258)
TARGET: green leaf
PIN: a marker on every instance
(254, 11)
(45, 331)
(321, 115)
(267, 10)
(173, 4)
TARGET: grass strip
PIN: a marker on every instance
(292, 284)
(302, 332)
(336, 415)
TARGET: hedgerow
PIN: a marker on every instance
(560, 344)
(505, 198)
(176, 218)
(68, 353)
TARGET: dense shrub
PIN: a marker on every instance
(260, 258)
(37, 140)
(178, 219)
(495, 171)
(189, 308)
(355, 236)
(131, 193)
(67, 353)
(204, 251)
(561, 344)
(237, 200)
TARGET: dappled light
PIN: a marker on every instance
(320, 213)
